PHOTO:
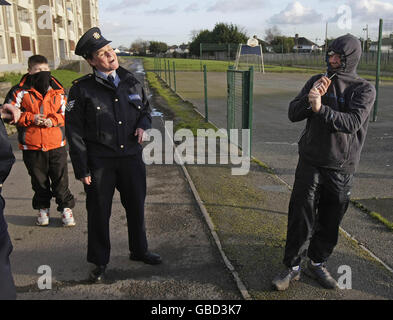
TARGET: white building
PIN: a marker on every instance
(47, 27)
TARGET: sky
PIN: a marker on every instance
(175, 21)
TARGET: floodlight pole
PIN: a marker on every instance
(200, 55)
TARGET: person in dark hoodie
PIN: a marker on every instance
(337, 113)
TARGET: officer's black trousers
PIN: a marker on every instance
(319, 200)
(128, 176)
(49, 177)
(7, 287)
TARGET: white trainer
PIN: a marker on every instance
(43, 217)
(67, 218)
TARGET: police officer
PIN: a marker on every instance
(106, 116)
(7, 159)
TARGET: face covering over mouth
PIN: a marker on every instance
(40, 81)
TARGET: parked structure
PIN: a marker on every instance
(47, 27)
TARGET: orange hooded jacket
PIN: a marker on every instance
(31, 102)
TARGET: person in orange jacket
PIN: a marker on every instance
(41, 135)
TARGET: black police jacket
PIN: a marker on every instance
(101, 120)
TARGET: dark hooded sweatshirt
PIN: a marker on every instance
(334, 137)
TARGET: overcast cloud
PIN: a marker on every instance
(296, 13)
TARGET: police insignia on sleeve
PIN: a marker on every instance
(70, 105)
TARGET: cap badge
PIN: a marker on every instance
(96, 35)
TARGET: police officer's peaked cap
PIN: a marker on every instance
(4, 3)
(90, 42)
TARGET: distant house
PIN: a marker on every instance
(304, 45)
(386, 46)
(172, 49)
(183, 49)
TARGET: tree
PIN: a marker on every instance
(221, 34)
(140, 46)
(282, 44)
(122, 48)
(228, 33)
(272, 33)
(157, 47)
(204, 36)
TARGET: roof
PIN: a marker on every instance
(301, 41)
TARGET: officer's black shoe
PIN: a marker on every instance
(321, 274)
(148, 257)
(97, 275)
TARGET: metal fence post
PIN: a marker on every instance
(378, 70)
(205, 87)
(249, 105)
(174, 74)
(169, 73)
(230, 99)
(166, 80)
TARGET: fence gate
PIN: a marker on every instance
(239, 103)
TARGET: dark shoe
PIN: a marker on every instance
(148, 257)
(281, 282)
(321, 274)
(97, 275)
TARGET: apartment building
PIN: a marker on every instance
(48, 27)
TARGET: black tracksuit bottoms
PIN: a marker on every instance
(319, 200)
(128, 176)
(49, 177)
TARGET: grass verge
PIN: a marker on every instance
(64, 76)
(194, 65)
(184, 115)
(373, 214)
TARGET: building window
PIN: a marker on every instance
(2, 52)
(13, 49)
(24, 15)
(25, 43)
(10, 16)
(72, 45)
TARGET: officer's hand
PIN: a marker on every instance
(86, 180)
(139, 132)
(39, 119)
(8, 111)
